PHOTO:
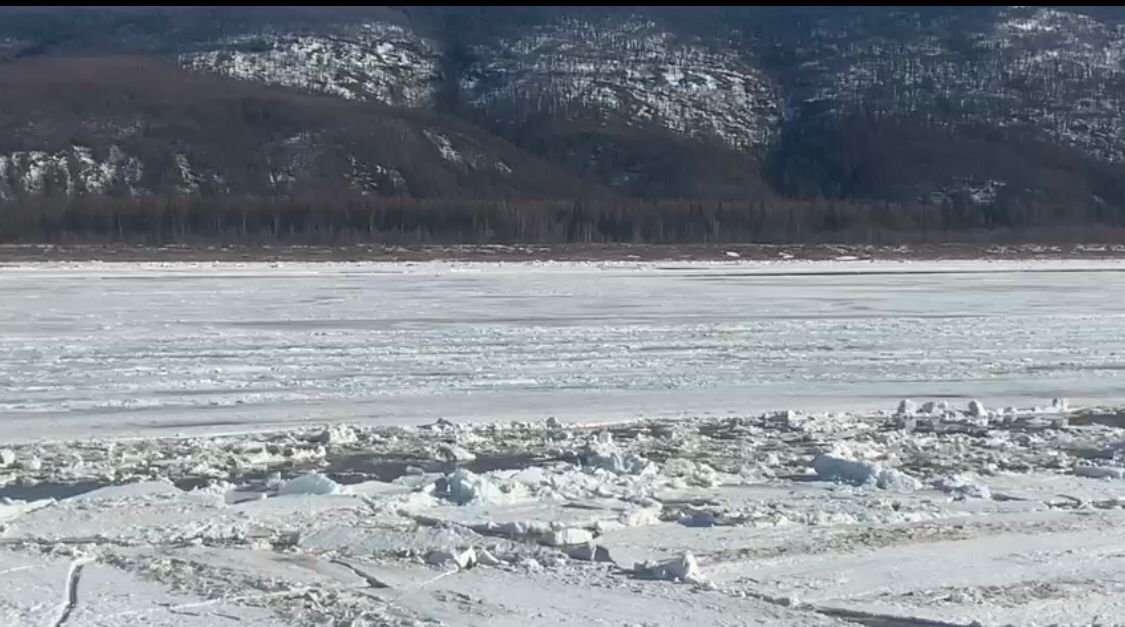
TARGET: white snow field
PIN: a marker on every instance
(844, 443)
(128, 349)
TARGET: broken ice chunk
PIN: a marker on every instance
(961, 488)
(588, 552)
(336, 434)
(568, 536)
(977, 410)
(464, 486)
(446, 452)
(486, 558)
(682, 568)
(462, 559)
(860, 472)
(312, 483)
(605, 454)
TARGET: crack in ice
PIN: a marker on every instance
(372, 582)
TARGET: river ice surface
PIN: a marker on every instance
(329, 492)
(105, 349)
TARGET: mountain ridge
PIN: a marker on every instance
(978, 117)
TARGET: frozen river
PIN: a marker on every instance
(117, 349)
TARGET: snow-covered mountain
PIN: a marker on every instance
(983, 104)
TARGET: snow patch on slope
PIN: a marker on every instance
(189, 180)
(368, 178)
(466, 156)
(1054, 72)
(633, 69)
(445, 147)
(73, 171)
(372, 61)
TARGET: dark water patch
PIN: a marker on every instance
(187, 484)
(1086, 452)
(803, 478)
(359, 467)
(50, 490)
(1106, 419)
(344, 469)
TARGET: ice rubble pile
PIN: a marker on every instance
(832, 467)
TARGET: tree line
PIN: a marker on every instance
(334, 219)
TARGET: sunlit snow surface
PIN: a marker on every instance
(92, 349)
(118, 508)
